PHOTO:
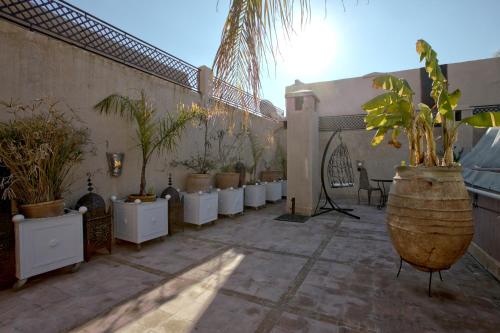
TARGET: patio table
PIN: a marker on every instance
(384, 193)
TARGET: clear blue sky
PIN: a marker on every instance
(368, 36)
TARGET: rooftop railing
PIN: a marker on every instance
(68, 23)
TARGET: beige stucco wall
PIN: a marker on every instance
(35, 66)
(478, 80)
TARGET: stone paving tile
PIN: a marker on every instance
(59, 301)
(289, 322)
(355, 293)
(263, 233)
(171, 256)
(251, 273)
(365, 252)
(260, 274)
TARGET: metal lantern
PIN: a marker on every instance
(175, 208)
(115, 163)
(97, 222)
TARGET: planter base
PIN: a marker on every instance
(43, 245)
(140, 222)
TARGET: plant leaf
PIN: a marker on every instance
(483, 119)
(379, 136)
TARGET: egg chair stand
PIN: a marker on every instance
(340, 175)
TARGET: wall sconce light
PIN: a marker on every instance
(360, 164)
(115, 163)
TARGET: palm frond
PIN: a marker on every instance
(250, 34)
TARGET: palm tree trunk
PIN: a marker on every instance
(143, 176)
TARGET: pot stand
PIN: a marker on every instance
(255, 195)
(273, 191)
(231, 201)
(140, 222)
(46, 244)
(200, 208)
(430, 274)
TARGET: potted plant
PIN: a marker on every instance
(201, 163)
(154, 135)
(39, 146)
(282, 162)
(429, 211)
(227, 177)
(255, 192)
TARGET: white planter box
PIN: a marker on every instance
(255, 195)
(273, 191)
(46, 244)
(231, 201)
(140, 222)
(284, 188)
(200, 208)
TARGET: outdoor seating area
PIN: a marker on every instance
(145, 191)
(329, 274)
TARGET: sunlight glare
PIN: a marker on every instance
(310, 50)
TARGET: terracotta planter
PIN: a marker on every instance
(270, 175)
(225, 180)
(429, 216)
(143, 198)
(43, 209)
(196, 182)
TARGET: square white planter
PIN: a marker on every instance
(284, 188)
(231, 201)
(200, 208)
(140, 222)
(273, 191)
(46, 244)
(255, 195)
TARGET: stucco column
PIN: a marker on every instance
(302, 151)
(206, 84)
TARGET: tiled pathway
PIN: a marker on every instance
(255, 274)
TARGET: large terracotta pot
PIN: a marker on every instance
(225, 180)
(270, 175)
(429, 216)
(143, 198)
(196, 182)
(43, 209)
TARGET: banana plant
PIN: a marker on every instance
(394, 111)
(154, 134)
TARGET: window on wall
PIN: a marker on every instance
(299, 103)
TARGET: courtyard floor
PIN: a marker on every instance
(255, 274)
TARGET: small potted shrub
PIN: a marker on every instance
(201, 163)
(429, 212)
(227, 176)
(39, 146)
(154, 134)
(255, 192)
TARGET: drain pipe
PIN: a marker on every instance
(293, 206)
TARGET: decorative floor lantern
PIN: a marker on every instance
(97, 223)
(175, 208)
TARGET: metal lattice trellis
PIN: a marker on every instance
(66, 22)
(238, 98)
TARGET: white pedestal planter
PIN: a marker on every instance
(284, 188)
(46, 244)
(140, 222)
(255, 195)
(231, 201)
(273, 191)
(200, 208)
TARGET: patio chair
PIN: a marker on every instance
(364, 184)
